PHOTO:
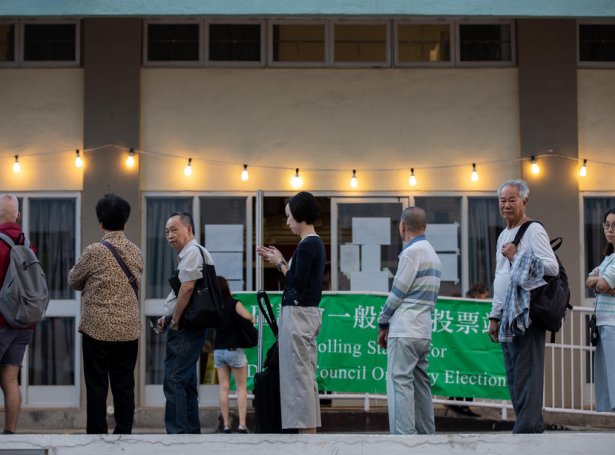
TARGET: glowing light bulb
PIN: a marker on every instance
(130, 161)
(474, 175)
(188, 168)
(244, 173)
(583, 170)
(353, 180)
(296, 181)
(78, 159)
(16, 165)
(535, 168)
(412, 179)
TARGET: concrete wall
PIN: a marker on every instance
(328, 119)
(111, 63)
(596, 111)
(42, 122)
(548, 111)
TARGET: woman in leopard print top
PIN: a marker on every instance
(110, 320)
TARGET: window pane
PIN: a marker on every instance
(173, 42)
(50, 42)
(423, 43)
(276, 232)
(594, 209)
(7, 43)
(597, 42)
(51, 359)
(360, 43)
(154, 355)
(388, 253)
(484, 226)
(223, 232)
(235, 42)
(161, 259)
(299, 43)
(485, 42)
(444, 210)
(52, 230)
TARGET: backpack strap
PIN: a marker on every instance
(6, 239)
(10, 242)
(131, 278)
(521, 231)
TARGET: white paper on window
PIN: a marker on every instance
(370, 258)
(443, 237)
(450, 270)
(229, 265)
(349, 258)
(369, 281)
(371, 231)
(224, 237)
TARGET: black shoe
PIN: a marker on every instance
(226, 430)
(464, 411)
(242, 430)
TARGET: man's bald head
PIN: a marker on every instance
(9, 208)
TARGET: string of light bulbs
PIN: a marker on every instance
(297, 180)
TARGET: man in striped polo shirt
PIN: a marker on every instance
(405, 328)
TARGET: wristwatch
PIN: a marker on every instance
(280, 264)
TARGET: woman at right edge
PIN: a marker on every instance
(602, 281)
(300, 318)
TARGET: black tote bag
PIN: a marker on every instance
(204, 310)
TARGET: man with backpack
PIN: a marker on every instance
(519, 269)
(13, 341)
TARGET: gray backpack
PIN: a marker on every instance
(24, 296)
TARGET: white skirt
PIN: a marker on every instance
(299, 327)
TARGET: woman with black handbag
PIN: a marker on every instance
(230, 358)
(300, 318)
(602, 281)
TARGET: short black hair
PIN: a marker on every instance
(112, 212)
(304, 207)
(185, 218)
(608, 249)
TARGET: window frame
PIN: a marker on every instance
(64, 396)
(16, 47)
(373, 64)
(591, 64)
(174, 63)
(327, 40)
(49, 63)
(233, 63)
(486, 63)
(586, 268)
(452, 44)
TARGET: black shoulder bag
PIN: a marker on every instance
(204, 311)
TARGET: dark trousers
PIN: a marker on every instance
(114, 361)
(524, 358)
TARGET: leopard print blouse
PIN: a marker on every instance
(109, 307)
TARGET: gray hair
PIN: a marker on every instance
(414, 218)
(524, 190)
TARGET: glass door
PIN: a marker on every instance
(51, 369)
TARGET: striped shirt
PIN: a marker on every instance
(407, 310)
(605, 303)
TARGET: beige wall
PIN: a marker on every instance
(45, 109)
(596, 92)
(329, 119)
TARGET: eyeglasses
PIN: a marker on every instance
(608, 227)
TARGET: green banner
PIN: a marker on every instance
(463, 361)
